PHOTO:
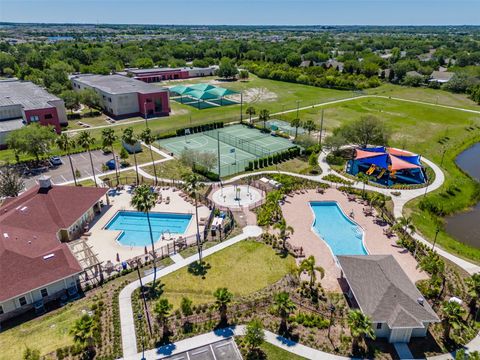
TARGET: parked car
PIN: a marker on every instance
(110, 164)
(56, 161)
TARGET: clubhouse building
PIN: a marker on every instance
(23, 102)
(122, 97)
(36, 264)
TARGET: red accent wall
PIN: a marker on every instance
(149, 106)
(156, 76)
(41, 113)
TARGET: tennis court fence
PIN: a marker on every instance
(243, 144)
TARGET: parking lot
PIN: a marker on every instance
(221, 350)
(63, 173)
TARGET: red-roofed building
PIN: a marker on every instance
(36, 265)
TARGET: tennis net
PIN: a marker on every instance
(242, 144)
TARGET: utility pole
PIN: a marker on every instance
(241, 107)
(321, 130)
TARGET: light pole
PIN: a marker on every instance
(435, 239)
(145, 112)
(443, 155)
(143, 338)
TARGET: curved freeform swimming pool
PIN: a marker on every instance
(342, 235)
(134, 226)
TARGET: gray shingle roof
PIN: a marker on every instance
(25, 93)
(118, 84)
(442, 75)
(384, 292)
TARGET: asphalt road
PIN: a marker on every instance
(62, 173)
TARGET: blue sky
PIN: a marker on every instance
(282, 12)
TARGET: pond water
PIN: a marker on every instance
(465, 227)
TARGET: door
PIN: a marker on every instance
(401, 335)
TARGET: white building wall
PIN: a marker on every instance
(11, 112)
(420, 332)
(35, 295)
(201, 72)
(383, 332)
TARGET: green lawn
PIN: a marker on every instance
(275, 353)
(172, 169)
(243, 268)
(46, 333)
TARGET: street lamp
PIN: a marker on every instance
(443, 155)
(139, 316)
(435, 239)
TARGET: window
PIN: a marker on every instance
(110, 99)
(34, 118)
(148, 100)
(1, 310)
(22, 301)
(379, 326)
(48, 116)
(44, 292)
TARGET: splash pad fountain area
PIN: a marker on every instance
(236, 196)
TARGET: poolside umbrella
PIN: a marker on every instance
(145, 250)
(118, 258)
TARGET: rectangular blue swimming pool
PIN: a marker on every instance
(342, 235)
(134, 225)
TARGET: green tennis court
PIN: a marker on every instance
(239, 145)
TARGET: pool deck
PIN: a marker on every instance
(298, 214)
(103, 241)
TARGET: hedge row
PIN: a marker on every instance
(273, 159)
(202, 170)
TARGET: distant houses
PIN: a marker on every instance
(441, 77)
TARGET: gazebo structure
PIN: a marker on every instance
(388, 166)
(203, 96)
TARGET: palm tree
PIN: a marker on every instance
(108, 139)
(364, 178)
(65, 144)
(308, 265)
(250, 112)
(144, 200)
(285, 231)
(274, 198)
(86, 140)
(192, 185)
(82, 332)
(360, 325)
(147, 137)
(296, 123)
(283, 306)
(453, 314)
(223, 297)
(406, 224)
(264, 116)
(473, 286)
(162, 311)
(310, 126)
(129, 138)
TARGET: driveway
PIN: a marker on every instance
(63, 173)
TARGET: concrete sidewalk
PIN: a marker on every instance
(129, 339)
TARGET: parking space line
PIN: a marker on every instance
(63, 177)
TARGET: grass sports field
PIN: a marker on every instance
(238, 144)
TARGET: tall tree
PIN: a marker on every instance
(223, 297)
(296, 123)
(453, 314)
(250, 111)
(309, 266)
(34, 140)
(284, 232)
(192, 185)
(264, 116)
(162, 311)
(65, 143)
(147, 137)
(90, 98)
(86, 140)
(71, 99)
(108, 139)
(11, 182)
(368, 130)
(283, 306)
(360, 325)
(310, 126)
(130, 138)
(144, 200)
